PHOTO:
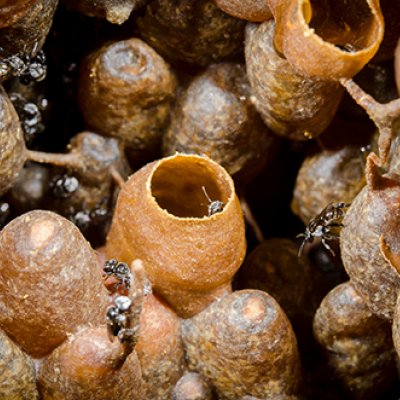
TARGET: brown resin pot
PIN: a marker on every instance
(328, 39)
(162, 217)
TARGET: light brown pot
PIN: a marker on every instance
(162, 218)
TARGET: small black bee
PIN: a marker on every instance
(30, 115)
(81, 219)
(348, 47)
(100, 214)
(116, 317)
(24, 66)
(120, 270)
(64, 185)
(115, 321)
(87, 219)
(321, 226)
(214, 206)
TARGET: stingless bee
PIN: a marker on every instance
(323, 226)
(64, 185)
(116, 317)
(27, 67)
(30, 114)
(214, 206)
(120, 274)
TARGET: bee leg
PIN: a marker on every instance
(326, 245)
(303, 243)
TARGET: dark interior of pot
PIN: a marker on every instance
(348, 25)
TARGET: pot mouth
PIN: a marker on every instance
(349, 26)
(127, 60)
(191, 186)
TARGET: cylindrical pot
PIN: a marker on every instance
(163, 217)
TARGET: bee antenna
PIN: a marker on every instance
(35, 46)
(206, 194)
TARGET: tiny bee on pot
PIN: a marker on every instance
(64, 185)
(117, 319)
(30, 114)
(28, 66)
(117, 276)
(324, 226)
(214, 206)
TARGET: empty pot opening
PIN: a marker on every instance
(185, 186)
(349, 25)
